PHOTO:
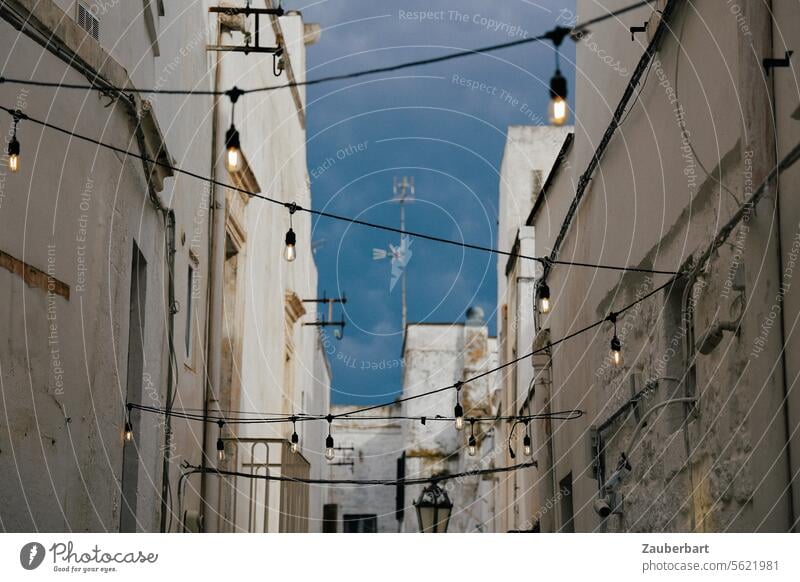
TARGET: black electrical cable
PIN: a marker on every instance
(547, 36)
(292, 206)
(525, 356)
(391, 482)
(265, 418)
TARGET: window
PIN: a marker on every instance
(567, 514)
(674, 373)
(330, 517)
(188, 338)
(88, 21)
(360, 523)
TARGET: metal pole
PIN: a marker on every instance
(405, 267)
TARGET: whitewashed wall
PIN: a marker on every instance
(377, 446)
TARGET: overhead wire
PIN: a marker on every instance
(294, 207)
(267, 418)
(388, 482)
(338, 77)
(351, 414)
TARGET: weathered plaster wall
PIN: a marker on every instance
(435, 356)
(74, 211)
(720, 466)
(377, 446)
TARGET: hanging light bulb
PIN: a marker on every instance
(472, 444)
(289, 252)
(543, 293)
(220, 444)
(330, 452)
(526, 444)
(128, 426)
(616, 345)
(233, 154)
(616, 351)
(458, 411)
(295, 438)
(558, 111)
(13, 152)
(459, 415)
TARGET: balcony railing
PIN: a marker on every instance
(253, 505)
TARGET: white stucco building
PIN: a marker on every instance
(367, 449)
(438, 355)
(705, 407)
(128, 282)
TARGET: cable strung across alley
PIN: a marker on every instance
(294, 207)
(549, 35)
(389, 482)
(270, 418)
(266, 418)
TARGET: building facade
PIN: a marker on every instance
(436, 356)
(697, 429)
(126, 281)
(366, 449)
(529, 154)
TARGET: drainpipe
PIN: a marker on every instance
(209, 489)
(782, 320)
(169, 218)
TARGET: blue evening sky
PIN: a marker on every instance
(424, 122)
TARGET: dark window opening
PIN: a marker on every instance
(360, 523)
(567, 515)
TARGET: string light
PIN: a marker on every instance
(567, 415)
(368, 482)
(616, 345)
(289, 253)
(13, 146)
(128, 425)
(330, 452)
(558, 110)
(526, 441)
(277, 418)
(458, 411)
(344, 76)
(295, 437)
(220, 444)
(472, 444)
(543, 296)
(232, 146)
(233, 153)
(547, 261)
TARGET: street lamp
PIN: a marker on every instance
(433, 509)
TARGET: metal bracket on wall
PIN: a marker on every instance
(635, 29)
(329, 322)
(247, 11)
(773, 63)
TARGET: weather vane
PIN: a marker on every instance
(403, 193)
